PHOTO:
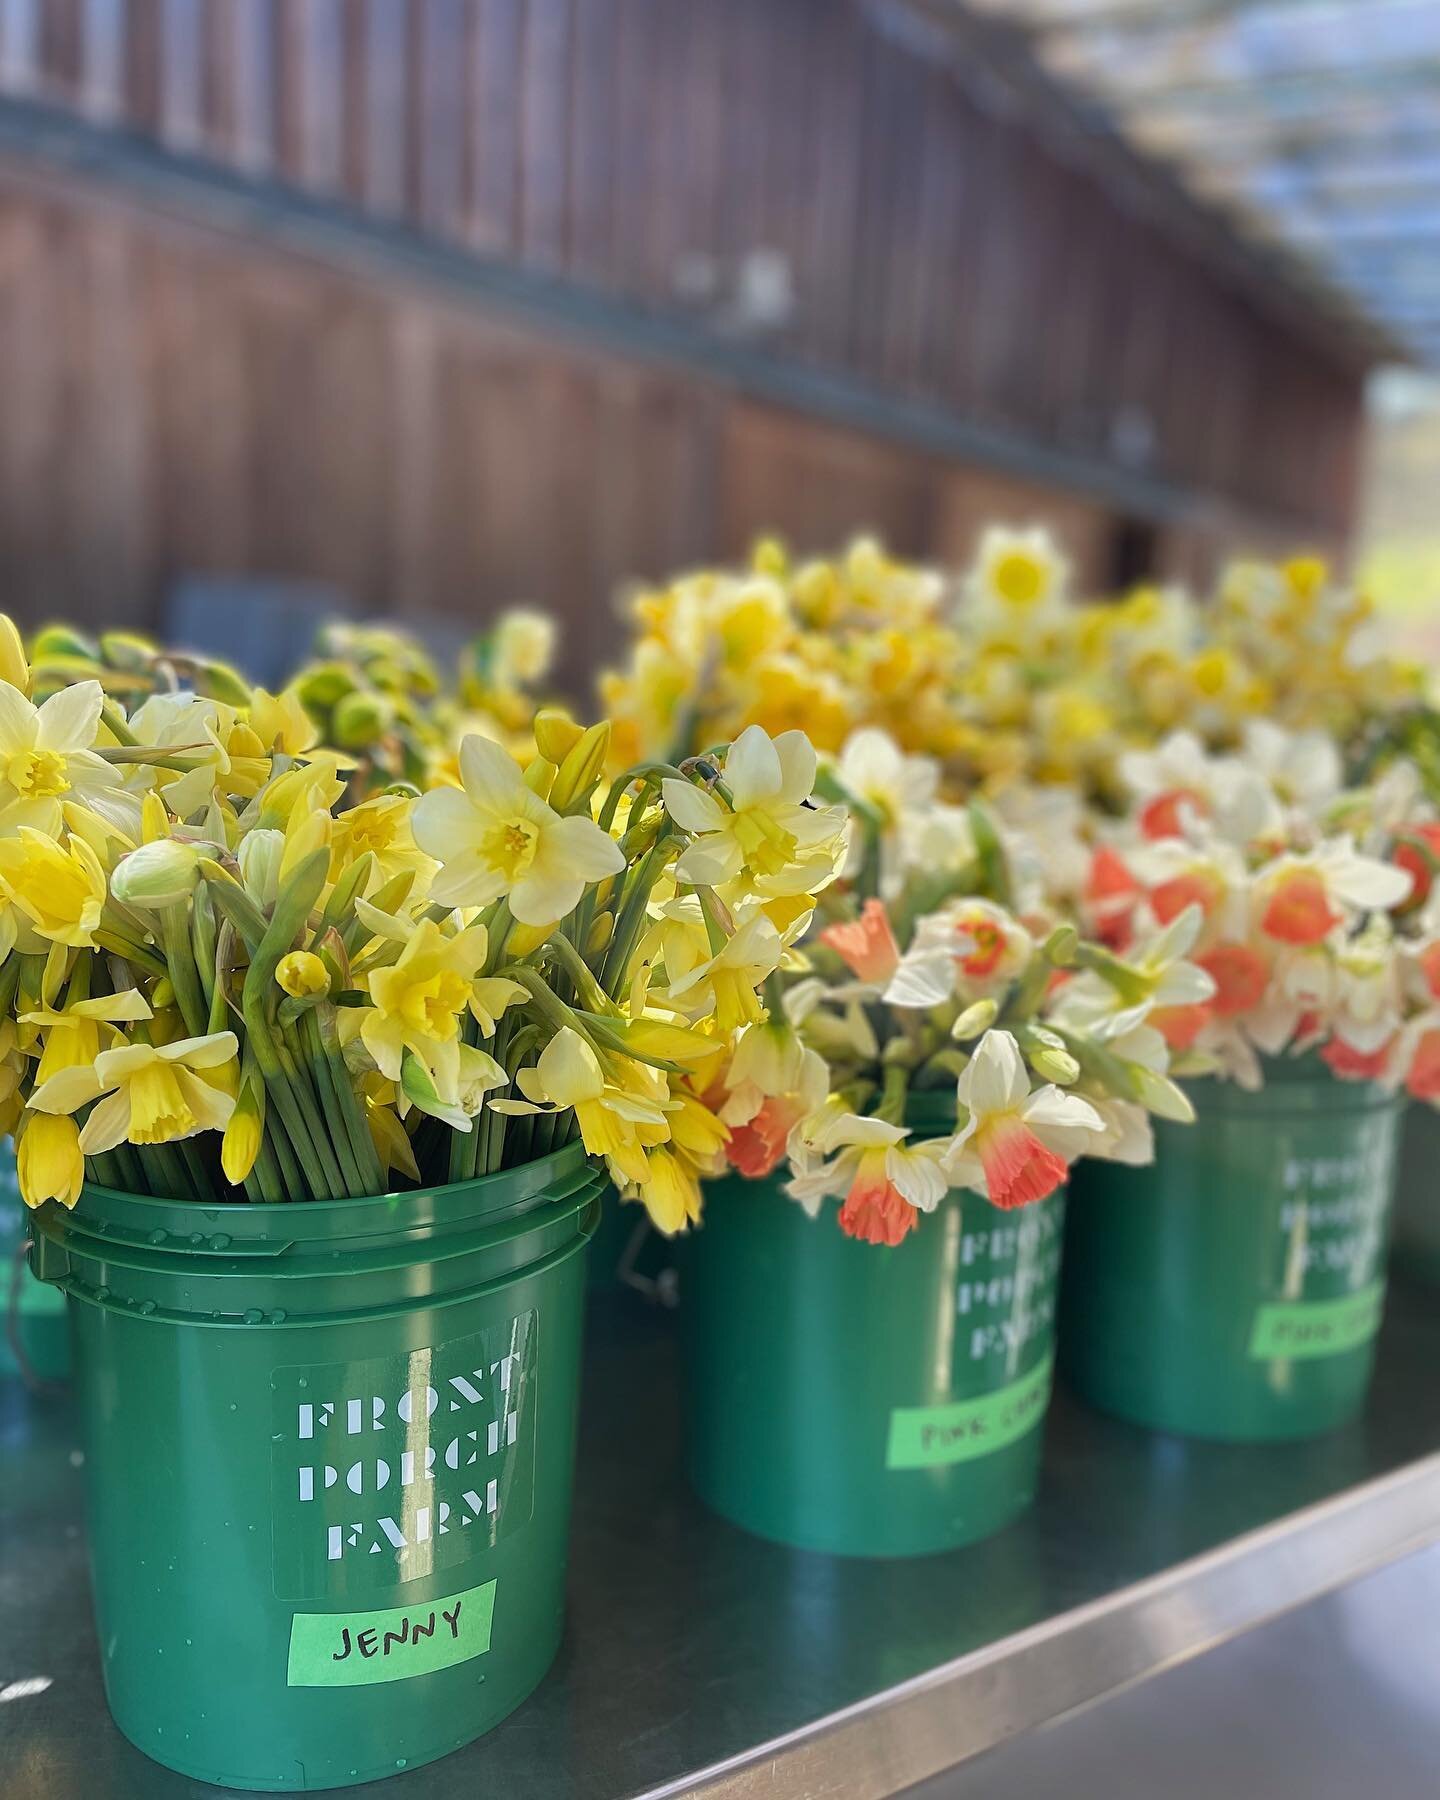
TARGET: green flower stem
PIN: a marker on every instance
(184, 978)
(119, 945)
(352, 1110)
(352, 1177)
(893, 1095)
(127, 1165)
(166, 1174)
(630, 916)
(312, 1119)
(588, 990)
(235, 903)
(203, 944)
(290, 1183)
(196, 1169)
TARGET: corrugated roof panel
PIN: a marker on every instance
(1314, 123)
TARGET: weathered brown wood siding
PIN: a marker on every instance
(174, 401)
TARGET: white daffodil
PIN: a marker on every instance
(47, 758)
(493, 836)
(767, 834)
(1018, 580)
(1015, 1146)
(1153, 976)
(969, 950)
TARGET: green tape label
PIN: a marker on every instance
(1301, 1328)
(357, 1649)
(927, 1437)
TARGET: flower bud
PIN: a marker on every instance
(975, 1020)
(158, 874)
(360, 720)
(582, 768)
(302, 974)
(13, 666)
(556, 734)
(1058, 1066)
(324, 685)
(598, 936)
(260, 854)
(240, 1146)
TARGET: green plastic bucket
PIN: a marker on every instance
(329, 1459)
(1233, 1289)
(34, 1328)
(1417, 1194)
(863, 1400)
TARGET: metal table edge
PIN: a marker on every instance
(920, 1728)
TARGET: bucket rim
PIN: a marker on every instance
(555, 1162)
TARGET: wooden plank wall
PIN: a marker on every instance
(933, 244)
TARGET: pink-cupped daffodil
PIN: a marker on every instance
(1014, 1146)
(1300, 899)
(47, 756)
(969, 951)
(886, 1182)
(763, 833)
(495, 837)
(146, 1093)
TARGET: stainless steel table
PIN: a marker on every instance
(700, 1660)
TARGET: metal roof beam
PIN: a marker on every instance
(1340, 181)
(1139, 15)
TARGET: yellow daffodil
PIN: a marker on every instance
(766, 834)
(145, 1093)
(381, 826)
(616, 1121)
(724, 985)
(49, 1159)
(72, 1036)
(417, 1002)
(59, 889)
(280, 721)
(47, 755)
(669, 1190)
(495, 837)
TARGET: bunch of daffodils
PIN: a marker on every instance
(1310, 906)
(376, 694)
(222, 982)
(934, 982)
(1056, 690)
(822, 646)
(1003, 674)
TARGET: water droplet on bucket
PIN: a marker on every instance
(304, 1381)
(158, 1237)
(253, 1315)
(147, 1307)
(197, 1238)
(220, 1241)
(102, 1293)
(278, 1316)
(233, 1407)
